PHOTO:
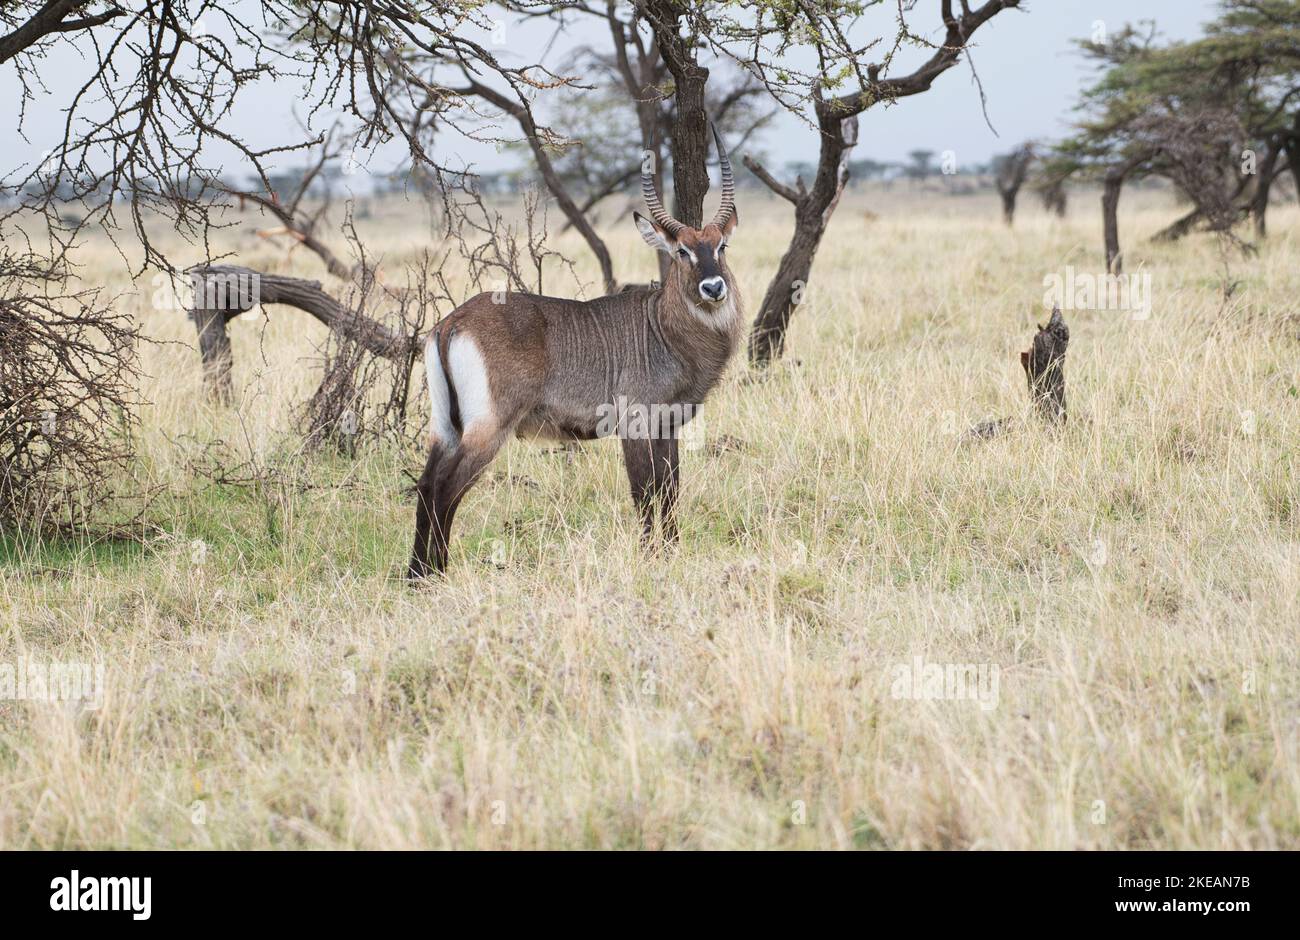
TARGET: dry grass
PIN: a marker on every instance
(278, 686)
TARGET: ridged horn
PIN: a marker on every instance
(728, 206)
(657, 211)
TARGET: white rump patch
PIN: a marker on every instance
(440, 426)
(470, 379)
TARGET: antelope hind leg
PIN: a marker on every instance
(424, 513)
(460, 471)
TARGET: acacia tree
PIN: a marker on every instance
(623, 118)
(1051, 191)
(670, 74)
(1198, 113)
(848, 80)
(762, 38)
(1186, 147)
(1009, 174)
(1251, 51)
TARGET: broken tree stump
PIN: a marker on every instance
(1044, 364)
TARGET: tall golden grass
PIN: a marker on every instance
(1134, 578)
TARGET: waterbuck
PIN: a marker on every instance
(635, 364)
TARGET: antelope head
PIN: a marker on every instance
(697, 253)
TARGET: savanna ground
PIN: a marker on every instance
(1135, 578)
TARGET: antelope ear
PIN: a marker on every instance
(654, 236)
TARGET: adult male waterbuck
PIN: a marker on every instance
(635, 364)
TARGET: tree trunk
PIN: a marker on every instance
(1263, 185)
(1113, 183)
(784, 291)
(1293, 161)
(641, 82)
(812, 214)
(690, 136)
(1290, 142)
(214, 350)
(1009, 174)
(838, 126)
(1044, 365)
(1008, 205)
(1110, 219)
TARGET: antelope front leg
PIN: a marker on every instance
(667, 475)
(638, 457)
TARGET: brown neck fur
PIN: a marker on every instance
(703, 342)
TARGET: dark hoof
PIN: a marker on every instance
(418, 572)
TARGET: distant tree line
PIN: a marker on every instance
(1217, 117)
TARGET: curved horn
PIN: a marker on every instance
(728, 206)
(657, 211)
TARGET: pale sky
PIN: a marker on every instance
(1030, 71)
(1026, 59)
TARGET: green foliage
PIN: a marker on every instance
(1247, 64)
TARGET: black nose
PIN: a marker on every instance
(712, 288)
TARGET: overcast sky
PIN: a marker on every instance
(1026, 60)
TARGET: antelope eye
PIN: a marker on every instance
(683, 253)
(722, 248)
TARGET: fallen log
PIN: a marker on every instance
(223, 292)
